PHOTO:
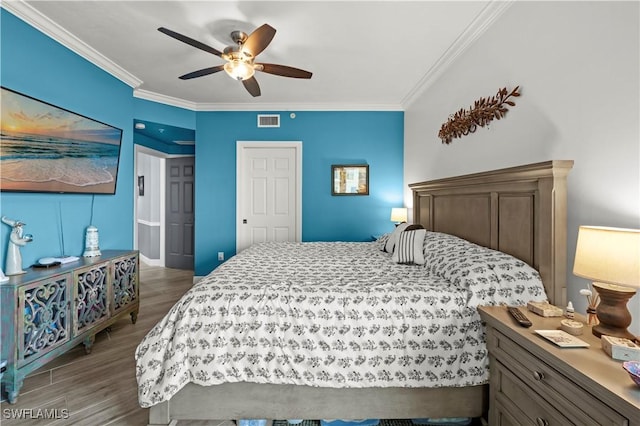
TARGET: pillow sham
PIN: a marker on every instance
(393, 238)
(491, 277)
(382, 241)
(408, 249)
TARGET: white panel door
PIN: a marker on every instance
(268, 192)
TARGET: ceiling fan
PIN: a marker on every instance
(241, 57)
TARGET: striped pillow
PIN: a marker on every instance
(408, 249)
(393, 238)
(381, 242)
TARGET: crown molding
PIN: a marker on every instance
(492, 11)
(164, 99)
(45, 25)
(193, 106)
(296, 107)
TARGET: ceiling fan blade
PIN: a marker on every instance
(283, 70)
(259, 40)
(202, 72)
(190, 41)
(251, 84)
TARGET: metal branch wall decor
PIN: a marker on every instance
(483, 111)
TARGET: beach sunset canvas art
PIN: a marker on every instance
(45, 148)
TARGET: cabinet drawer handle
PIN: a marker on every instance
(541, 422)
(538, 375)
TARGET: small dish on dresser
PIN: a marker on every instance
(633, 368)
(562, 338)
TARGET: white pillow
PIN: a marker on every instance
(408, 249)
(393, 238)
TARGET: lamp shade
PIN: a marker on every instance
(608, 255)
(398, 214)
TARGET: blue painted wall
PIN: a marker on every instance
(161, 113)
(155, 144)
(170, 116)
(374, 138)
(35, 65)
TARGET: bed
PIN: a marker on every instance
(402, 366)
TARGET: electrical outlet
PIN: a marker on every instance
(220, 255)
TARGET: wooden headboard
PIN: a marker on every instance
(518, 210)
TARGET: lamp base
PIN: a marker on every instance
(603, 330)
(612, 311)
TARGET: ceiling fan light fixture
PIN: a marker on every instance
(239, 70)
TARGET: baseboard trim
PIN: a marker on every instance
(150, 262)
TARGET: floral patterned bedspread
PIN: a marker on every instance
(334, 314)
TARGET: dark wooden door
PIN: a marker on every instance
(179, 243)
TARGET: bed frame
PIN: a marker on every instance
(519, 210)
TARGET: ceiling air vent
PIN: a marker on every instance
(268, 120)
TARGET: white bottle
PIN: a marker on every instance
(569, 312)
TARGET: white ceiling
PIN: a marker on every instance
(364, 55)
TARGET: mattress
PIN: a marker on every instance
(335, 314)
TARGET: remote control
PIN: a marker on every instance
(519, 316)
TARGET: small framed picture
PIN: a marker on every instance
(350, 179)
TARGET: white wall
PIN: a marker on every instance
(149, 207)
(149, 204)
(578, 67)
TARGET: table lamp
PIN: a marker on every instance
(398, 215)
(610, 257)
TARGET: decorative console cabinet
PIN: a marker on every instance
(46, 312)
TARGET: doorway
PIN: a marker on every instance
(269, 192)
(150, 204)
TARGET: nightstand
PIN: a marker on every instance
(534, 382)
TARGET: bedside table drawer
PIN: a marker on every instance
(576, 403)
(517, 404)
